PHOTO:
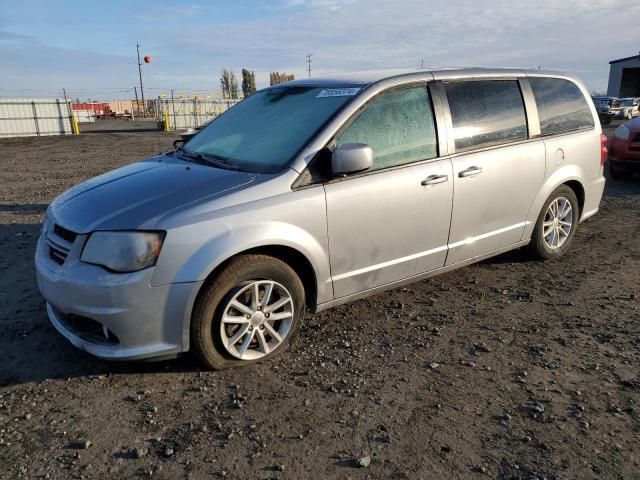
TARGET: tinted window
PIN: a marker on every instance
(486, 113)
(398, 126)
(561, 106)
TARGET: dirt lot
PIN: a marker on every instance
(508, 369)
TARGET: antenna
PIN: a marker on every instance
(308, 56)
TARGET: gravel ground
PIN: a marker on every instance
(508, 369)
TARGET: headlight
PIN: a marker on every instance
(123, 251)
(622, 132)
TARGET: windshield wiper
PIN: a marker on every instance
(206, 159)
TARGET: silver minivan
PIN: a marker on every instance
(314, 193)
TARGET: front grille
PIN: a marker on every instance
(58, 256)
(65, 234)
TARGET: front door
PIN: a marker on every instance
(391, 222)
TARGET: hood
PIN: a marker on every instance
(128, 197)
(634, 125)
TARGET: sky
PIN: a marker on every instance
(89, 48)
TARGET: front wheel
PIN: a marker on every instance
(556, 225)
(248, 313)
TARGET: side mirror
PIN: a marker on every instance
(188, 133)
(350, 158)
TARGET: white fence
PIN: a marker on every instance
(84, 116)
(27, 117)
(190, 112)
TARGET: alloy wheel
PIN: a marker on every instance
(257, 319)
(557, 223)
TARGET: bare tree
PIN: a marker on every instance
(248, 82)
(280, 77)
(229, 84)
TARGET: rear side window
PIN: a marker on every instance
(561, 106)
(398, 126)
(486, 113)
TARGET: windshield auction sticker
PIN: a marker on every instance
(338, 92)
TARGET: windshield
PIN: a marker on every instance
(264, 132)
(627, 103)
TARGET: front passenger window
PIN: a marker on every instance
(398, 126)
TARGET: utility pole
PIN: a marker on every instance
(309, 63)
(144, 106)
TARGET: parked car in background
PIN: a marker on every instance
(313, 193)
(624, 150)
(608, 108)
(629, 107)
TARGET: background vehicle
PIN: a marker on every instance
(629, 107)
(624, 150)
(311, 194)
(608, 108)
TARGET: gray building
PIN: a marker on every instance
(624, 77)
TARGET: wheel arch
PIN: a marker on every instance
(578, 189)
(294, 258)
(570, 176)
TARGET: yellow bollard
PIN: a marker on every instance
(165, 114)
(75, 128)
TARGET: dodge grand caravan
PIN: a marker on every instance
(314, 193)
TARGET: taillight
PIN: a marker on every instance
(603, 149)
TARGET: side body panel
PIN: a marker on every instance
(490, 208)
(203, 237)
(571, 157)
(387, 226)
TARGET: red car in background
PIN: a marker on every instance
(624, 150)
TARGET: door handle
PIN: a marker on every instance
(470, 172)
(434, 180)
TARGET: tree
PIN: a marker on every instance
(229, 84)
(248, 82)
(280, 77)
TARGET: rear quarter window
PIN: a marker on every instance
(561, 106)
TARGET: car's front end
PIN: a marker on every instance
(116, 315)
(628, 108)
(624, 148)
(97, 252)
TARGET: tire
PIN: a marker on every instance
(617, 173)
(539, 247)
(211, 338)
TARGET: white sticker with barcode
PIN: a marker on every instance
(338, 92)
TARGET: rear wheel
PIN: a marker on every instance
(248, 313)
(556, 225)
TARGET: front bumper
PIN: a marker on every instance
(138, 321)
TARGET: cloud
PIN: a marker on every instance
(376, 34)
(190, 50)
